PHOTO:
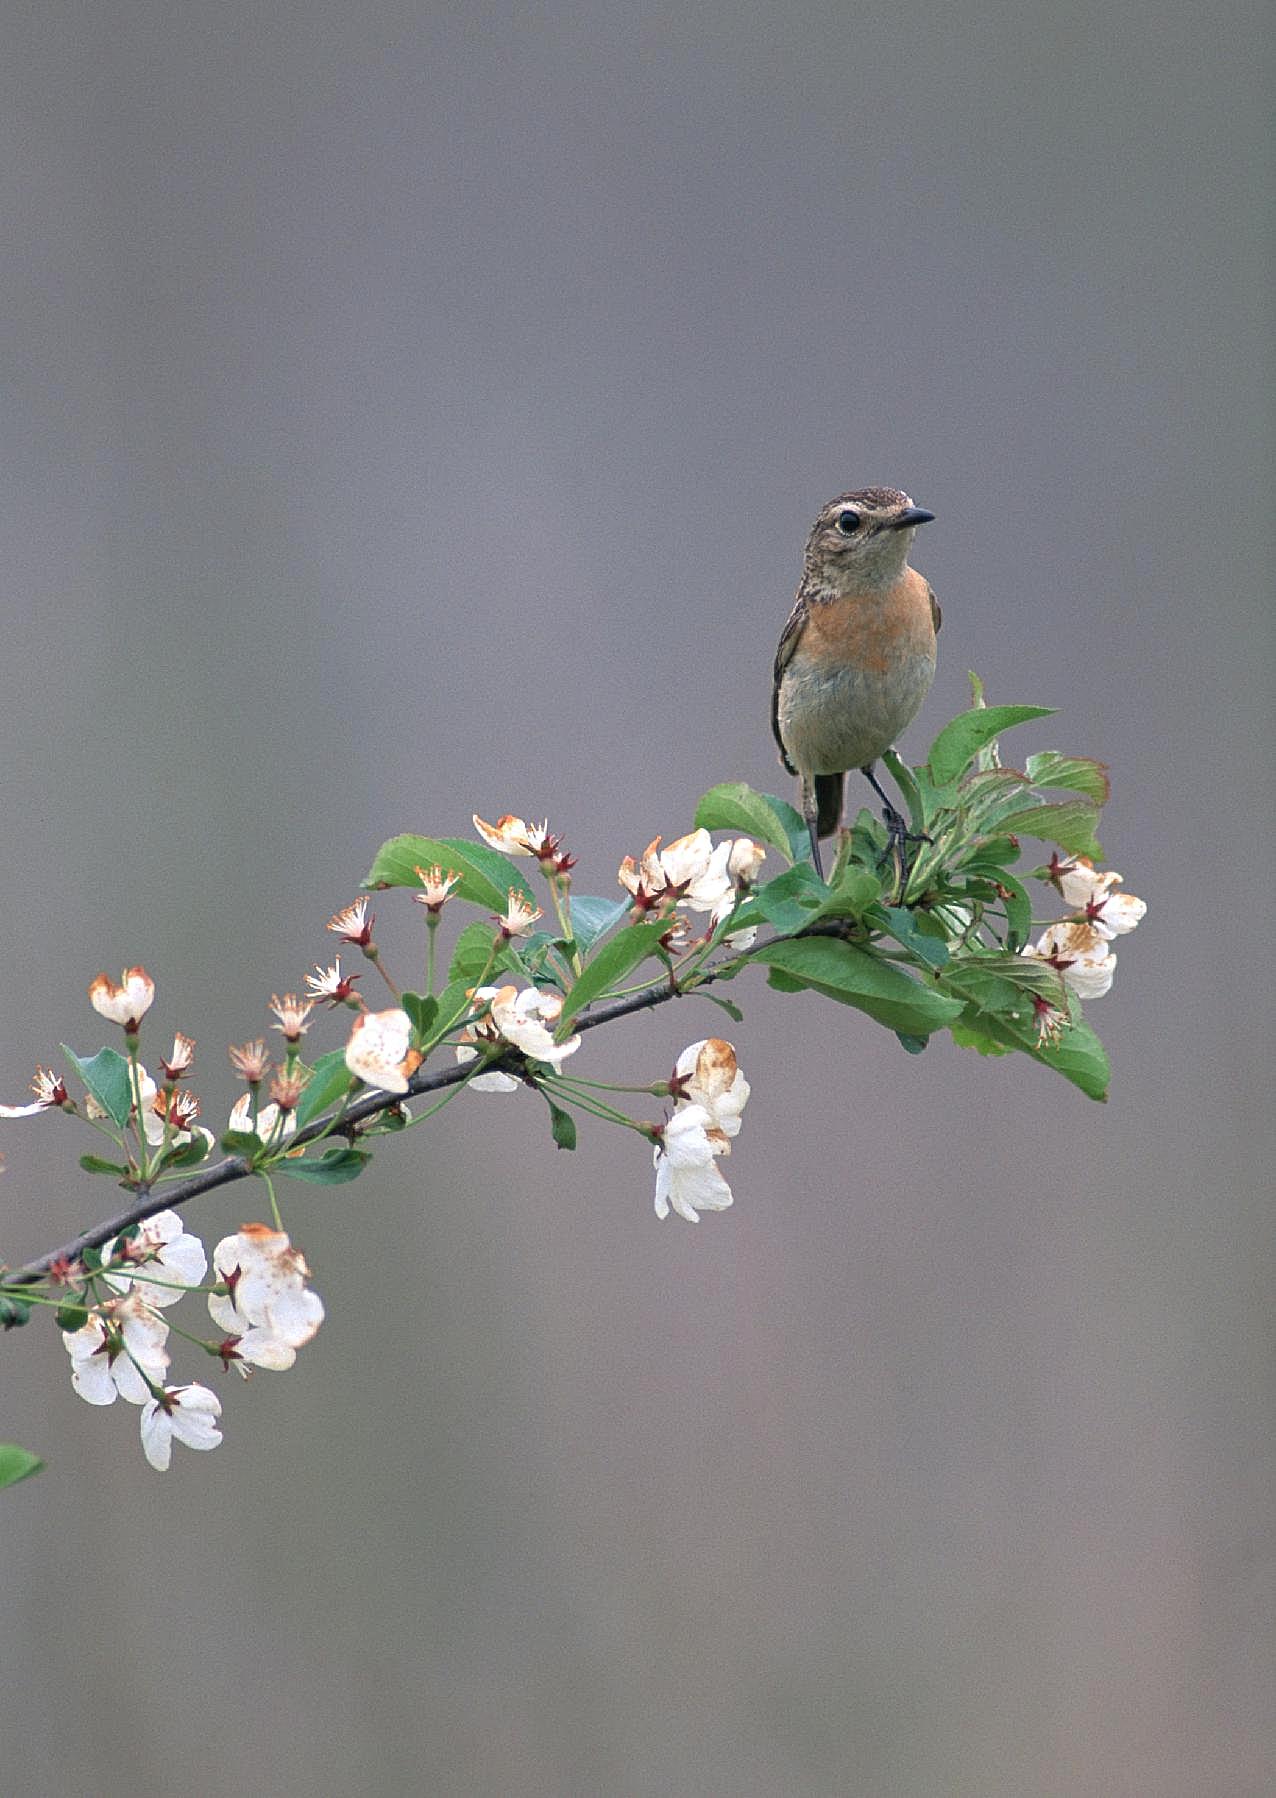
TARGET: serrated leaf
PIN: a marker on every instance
(856, 977)
(610, 964)
(486, 874)
(998, 982)
(1075, 774)
(17, 1463)
(330, 1080)
(1070, 824)
(736, 806)
(98, 1164)
(333, 1169)
(106, 1075)
(562, 1124)
(960, 741)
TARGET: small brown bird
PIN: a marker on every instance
(857, 656)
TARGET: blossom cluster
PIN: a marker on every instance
(1079, 947)
(258, 1299)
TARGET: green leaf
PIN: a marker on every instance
(914, 1044)
(856, 977)
(1080, 1057)
(906, 781)
(14, 1309)
(610, 964)
(1076, 774)
(17, 1463)
(486, 874)
(240, 1142)
(330, 1080)
(333, 1169)
(986, 797)
(106, 1075)
(188, 1154)
(792, 900)
(561, 1123)
(732, 1011)
(969, 1032)
(73, 1315)
(473, 954)
(97, 1164)
(421, 1009)
(453, 1003)
(904, 927)
(855, 891)
(736, 806)
(1070, 824)
(593, 917)
(959, 742)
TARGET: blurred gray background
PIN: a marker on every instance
(409, 410)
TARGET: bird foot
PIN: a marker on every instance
(898, 839)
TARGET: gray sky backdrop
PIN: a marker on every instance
(410, 410)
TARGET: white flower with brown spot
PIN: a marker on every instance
(127, 1003)
(1081, 953)
(707, 1074)
(513, 836)
(267, 1309)
(380, 1050)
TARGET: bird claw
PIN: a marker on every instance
(898, 839)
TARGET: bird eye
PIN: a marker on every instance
(848, 522)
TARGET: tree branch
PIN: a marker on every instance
(147, 1201)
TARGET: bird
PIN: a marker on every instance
(857, 656)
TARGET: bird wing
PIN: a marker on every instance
(936, 616)
(790, 637)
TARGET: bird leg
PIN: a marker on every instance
(810, 814)
(898, 835)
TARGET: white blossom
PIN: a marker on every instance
(687, 1180)
(162, 1242)
(127, 1003)
(268, 1303)
(188, 1413)
(116, 1351)
(712, 1079)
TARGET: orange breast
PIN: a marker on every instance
(873, 631)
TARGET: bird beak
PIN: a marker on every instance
(910, 516)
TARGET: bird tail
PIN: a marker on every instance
(828, 803)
